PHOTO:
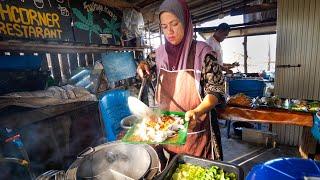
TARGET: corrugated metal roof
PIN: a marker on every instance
(201, 10)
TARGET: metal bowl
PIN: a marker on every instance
(128, 122)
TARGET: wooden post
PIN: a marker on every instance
(56, 71)
(73, 62)
(89, 59)
(245, 50)
(44, 62)
(82, 60)
(97, 57)
(63, 61)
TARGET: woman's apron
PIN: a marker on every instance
(177, 91)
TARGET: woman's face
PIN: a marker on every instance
(172, 27)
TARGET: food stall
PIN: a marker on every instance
(72, 132)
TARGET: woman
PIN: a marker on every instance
(187, 71)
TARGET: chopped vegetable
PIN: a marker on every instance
(193, 172)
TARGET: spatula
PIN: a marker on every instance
(138, 108)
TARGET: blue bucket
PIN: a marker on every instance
(285, 169)
(114, 107)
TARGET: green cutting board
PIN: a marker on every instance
(180, 139)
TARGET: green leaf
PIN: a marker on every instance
(96, 28)
(117, 25)
(112, 27)
(79, 15)
(90, 18)
(81, 26)
(96, 32)
(116, 33)
(107, 23)
(106, 30)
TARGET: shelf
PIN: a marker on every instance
(35, 46)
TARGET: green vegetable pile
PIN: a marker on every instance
(193, 172)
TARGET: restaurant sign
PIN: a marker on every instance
(35, 19)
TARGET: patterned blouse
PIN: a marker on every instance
(212, 79)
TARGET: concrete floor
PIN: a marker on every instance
(247, 154)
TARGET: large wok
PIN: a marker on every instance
(114, 160)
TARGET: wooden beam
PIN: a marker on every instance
(17, 120)
(116, 3)
(20, 46)
(145, 3)
(247, 9)
(269, 28)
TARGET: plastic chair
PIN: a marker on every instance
(250, 87)
(114, 107)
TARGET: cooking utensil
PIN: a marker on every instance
(128, 122)
(139, 109)
(143, 84)
(119, 157)
(119, 176)
(142, 162)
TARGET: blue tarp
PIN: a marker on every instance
(119, 66)
(28, 62)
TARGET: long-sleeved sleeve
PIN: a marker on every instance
(212, 79)
(151, 61)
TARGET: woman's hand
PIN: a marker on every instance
(209, 102)
(192, 115)
(143, 70)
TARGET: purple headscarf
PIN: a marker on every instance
(170, 55)
(181, 10)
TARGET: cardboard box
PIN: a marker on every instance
(259, 137)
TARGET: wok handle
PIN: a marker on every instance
(85, 152)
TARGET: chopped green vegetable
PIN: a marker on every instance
(193, 172)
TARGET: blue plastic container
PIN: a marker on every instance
(250, 87)
(27, 62)
(315, 130)
(285, 169)
(114, 107)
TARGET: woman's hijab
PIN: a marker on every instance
(175, 57)
(178, 54)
